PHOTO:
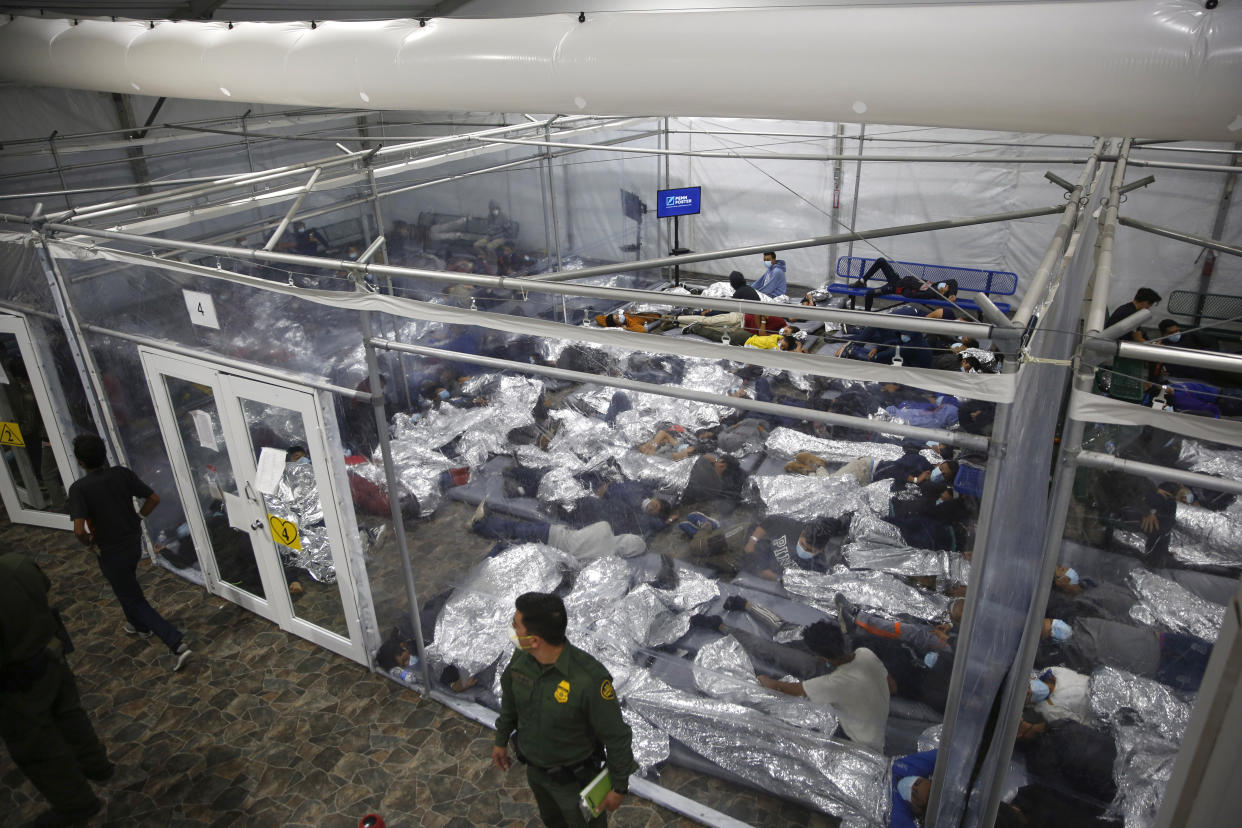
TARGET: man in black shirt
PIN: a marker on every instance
(1144, 299)
(101, 506)
(741, 290)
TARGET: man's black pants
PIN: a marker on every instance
(119, 564)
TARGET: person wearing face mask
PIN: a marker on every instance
(935, 518)
(1175, 659)
(1199, 398)
(920, 636)
(958, 350)
(500, 231)
(1172, 336)
(911, 788)
(1152, 509)
(788, 338)
(772, 282)
(779, 543)
(908, 287)
(1059, 693)
(1074, 596)
(874, 344)
(559, 709)
(629, 507)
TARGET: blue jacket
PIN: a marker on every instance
(1196, 396)
(942, 414)
(772, 282)
(916, 764)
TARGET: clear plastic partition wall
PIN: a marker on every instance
(736, 501)
(724, 521)
(720, 529)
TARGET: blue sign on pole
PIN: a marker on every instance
(683, 201)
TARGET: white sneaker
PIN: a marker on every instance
(132, 630)
(183, 655)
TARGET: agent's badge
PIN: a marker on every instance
(562, 692)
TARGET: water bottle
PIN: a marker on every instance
(405, 675)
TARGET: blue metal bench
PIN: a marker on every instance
(992, 282)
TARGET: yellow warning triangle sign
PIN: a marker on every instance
(11, 435)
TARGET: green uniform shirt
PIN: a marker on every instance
(26, 623)
(562, 710)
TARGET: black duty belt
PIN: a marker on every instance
(565, 774)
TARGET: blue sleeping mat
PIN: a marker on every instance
(488, 482)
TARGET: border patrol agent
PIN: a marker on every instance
(561, 702)
(41, 717)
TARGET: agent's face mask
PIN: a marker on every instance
(522, 642)
(1174, 337)
(803, 553)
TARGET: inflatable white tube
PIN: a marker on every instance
(1143, 68)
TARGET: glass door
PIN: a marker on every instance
(253, 470)
(36, 468)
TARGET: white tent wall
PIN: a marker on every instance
(591, 183)
(746, 200)
(1178, 200)
(750, 201)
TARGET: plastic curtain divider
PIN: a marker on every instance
(394, 502)
(1016, 530)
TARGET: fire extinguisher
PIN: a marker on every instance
(371, 821)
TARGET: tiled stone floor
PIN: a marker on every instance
(263, 728)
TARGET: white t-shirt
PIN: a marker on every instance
(1070, 699)
(858, 691)
(594, 541)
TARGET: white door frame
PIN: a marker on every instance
(15, 324)
(229, 386)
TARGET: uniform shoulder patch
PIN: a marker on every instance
(606, 692)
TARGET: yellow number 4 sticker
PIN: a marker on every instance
(11, 435)
(285, 532)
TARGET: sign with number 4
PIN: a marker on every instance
(202, 309)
